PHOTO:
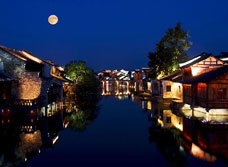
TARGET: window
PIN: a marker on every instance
(168, 88)
(168, 120)
(221, 139)
(187, 90)
(202, 90)
(221, 93)
(156, 86)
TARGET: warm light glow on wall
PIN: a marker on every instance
(196, 71)
(117, 87)
(175, 90)
(202, 84)
(149, 86)
(103, 88)
(178, 91)
(128, 92)
(176, 85)
(107, 86)
(29, 89)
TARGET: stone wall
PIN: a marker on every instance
(29, 85)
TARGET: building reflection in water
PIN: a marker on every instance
(24, 136)
(191, 130)
(176, 133)
(203, 136)
(200, 153)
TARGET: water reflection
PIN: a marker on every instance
(204, 140)
(24, 136)
(211, 138)
(82, 110)
(179, 136)
(178, 133)
(26, 130)
(168, 142)
(83, 115)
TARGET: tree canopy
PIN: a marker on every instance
(85, 85)
(77, 71)
(169, 52)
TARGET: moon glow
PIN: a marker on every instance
(53, 19)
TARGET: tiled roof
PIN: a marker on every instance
(22, 54)
(195, 60)
(175, 76)
(206, 77)
(223, 56)
(29, 57)
(13, 52)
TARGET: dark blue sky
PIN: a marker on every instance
(110, 33)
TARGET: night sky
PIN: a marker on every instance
(110, 34)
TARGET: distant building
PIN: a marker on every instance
(141, 78)
(115, 82)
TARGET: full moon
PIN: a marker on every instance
(53, 19)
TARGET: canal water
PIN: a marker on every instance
(124, 132)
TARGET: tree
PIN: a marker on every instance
(169, 52)
(85, 82)
(77, 71)
(83, 96)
